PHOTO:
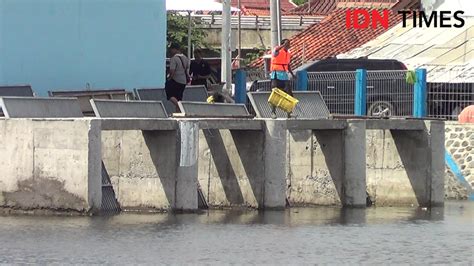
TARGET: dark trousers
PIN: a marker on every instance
(282, 85)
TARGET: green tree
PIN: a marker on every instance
(300, 2)
(177, 31)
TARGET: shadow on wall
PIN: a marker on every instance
(162, 158)
(412, 148)
(333, 150)
(224, 167)
(249, 147)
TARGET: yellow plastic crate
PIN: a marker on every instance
(282, 100)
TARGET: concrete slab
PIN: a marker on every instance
(128, 109)
(30, 107)
(324, 124)
(19, 90)
(84, 97)
(138, 124)
(142, 166)
(244, 124)
(310, 105)
(228, 173)
(51, 164)
(198, 109)
(395, 124)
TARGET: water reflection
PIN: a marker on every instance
(291, 217)
(293, 236)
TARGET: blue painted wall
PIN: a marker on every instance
(64, 44)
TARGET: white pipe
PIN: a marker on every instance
(278, 21)
(274, 23)
(190, 26)
(226, 56)
(240, 33)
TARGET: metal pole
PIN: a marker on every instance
(226, 71)
(240, 34)
(279, 21)
(190, 26)
(274, 23)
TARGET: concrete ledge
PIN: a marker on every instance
(30, 107)
(323, 124)
(138, 124)
(392, 124)
(231, 124)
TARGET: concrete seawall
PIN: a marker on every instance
(314, 175)
(392, 169)
(159, 164)
(141, 167)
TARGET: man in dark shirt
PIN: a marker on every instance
(200, 69)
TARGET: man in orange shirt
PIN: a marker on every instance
(280, 66)
(467, 115)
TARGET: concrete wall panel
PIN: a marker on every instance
(48, 164)
(141, 167)
(231, 168)
(314, 178)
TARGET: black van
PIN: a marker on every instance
(389, 96)
(334, 64)
(387, 93)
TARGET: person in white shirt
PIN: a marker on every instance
(178, 75)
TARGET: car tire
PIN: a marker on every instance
(377, 107)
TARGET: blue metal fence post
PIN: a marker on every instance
(360, 92)
(420, 94)
(240, 86)
(302, 80)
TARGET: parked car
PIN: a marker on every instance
(387, 93)
(334, 64)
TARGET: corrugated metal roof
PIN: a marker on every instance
(447, 53)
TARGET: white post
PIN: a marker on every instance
(239, 56)
(274, 22)
(189, 34)
(226, 71)
(278, 22)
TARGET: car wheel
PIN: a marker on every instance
(381, 108)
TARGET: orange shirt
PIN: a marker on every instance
(281, 61)
(467, 115)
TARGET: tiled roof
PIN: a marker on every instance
(324, 7)
(255, 11)
(260, 7)
(367, 3)
(315, 7)
(329, 38)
